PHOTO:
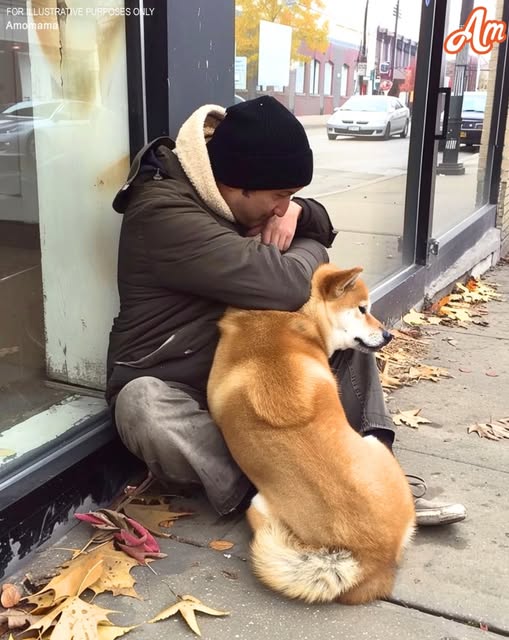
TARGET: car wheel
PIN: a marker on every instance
(404, 133)
(331, 136)
(387, 133)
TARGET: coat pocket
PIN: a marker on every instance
(153, 358)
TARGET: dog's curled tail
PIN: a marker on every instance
(285, 565)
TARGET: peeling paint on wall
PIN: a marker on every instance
(79, 169)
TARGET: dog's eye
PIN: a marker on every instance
(362, 309)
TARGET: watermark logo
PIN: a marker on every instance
(482, 34)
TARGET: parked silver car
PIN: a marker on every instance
(19, 121)
(369, 116)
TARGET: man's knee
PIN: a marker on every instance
(136, 403)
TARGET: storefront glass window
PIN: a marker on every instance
(360, 142)
(63, 153)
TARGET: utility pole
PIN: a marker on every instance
(395, 39)
(363, 59)
(450, 164)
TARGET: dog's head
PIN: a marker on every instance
(340, 303)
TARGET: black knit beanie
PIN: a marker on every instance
(260, 145)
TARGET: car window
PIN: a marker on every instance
(366, 103)
(474, 101)
(25, 111)
(398, 104)
(43, 110)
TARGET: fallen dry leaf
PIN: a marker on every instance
(16, 618)
(115, 576)
(187, 605)
(411, 334)
(10, 595)
(105, 632)
(73, 580)
(495, 430)
(427, 372)
(152, 517)
(459, 313)
(75, 619)
(221, 545)
(129, 535)
(410, 418)
(388, 382)
(413, 317)
(436, 306)
(477, 291)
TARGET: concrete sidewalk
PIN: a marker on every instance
(454, 580)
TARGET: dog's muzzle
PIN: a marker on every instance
(364, 346)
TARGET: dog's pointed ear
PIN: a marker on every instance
(340, 281)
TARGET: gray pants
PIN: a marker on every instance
(168, 426)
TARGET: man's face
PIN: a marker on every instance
(252, 209)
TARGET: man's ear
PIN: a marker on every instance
(337, 282)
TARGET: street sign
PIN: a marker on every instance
(385, 85)
(362, 68)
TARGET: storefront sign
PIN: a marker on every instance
(274, 54)
(480, 33)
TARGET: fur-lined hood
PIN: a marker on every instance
(191, 150)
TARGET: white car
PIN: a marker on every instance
(369, 116)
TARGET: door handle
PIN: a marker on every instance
(445, 122)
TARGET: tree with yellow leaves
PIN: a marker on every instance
(304, 16)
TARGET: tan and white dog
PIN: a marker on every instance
(334, 511)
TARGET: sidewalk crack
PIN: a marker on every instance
(465, 620)
(449, 459)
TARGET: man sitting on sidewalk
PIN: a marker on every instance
(211, 222)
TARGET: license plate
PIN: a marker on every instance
(463, 134)
(353, 128)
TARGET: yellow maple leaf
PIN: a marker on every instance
(186, 606)
(75, 619)
(115, 576)
(73, 580)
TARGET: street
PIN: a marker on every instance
(362, 183)
(351, 162)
